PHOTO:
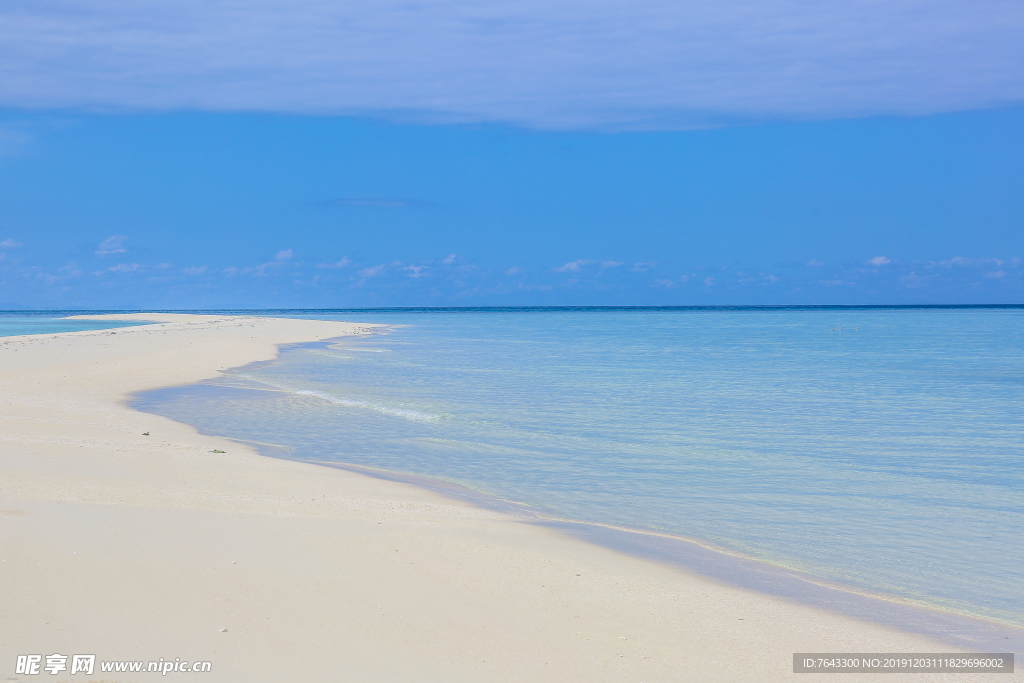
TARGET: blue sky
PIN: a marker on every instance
(306, 154)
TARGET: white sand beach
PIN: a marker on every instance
(140, 547)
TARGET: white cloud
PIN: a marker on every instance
(68, 272)
(121, 268)
(572, 266)
(683, 279)
(709, 281)
(416, 271)
(112, 245)
(541, 63)
(9, 244)
(337, 264)
(611, 264)
(996, 275)
(912, 280)
(814, 263)
(512, 271)
(879, 261)
(371, 271)
(265, 269)
(450, 260)
(979, 262)
(194, 271)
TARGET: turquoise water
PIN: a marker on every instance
(17, 324)
(879, 448)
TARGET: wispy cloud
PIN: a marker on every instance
(572, 266)
(112, 245)
(9, 244)
(814, 263)
(284, 255)
(578, 265)
(879, 261)
(341, 263)
(63, 275)
(962, 262)
(453, 280)
(541, 63)
(121, 268)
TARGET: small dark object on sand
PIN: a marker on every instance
(217, 451)
(145, 433)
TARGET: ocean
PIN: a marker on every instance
(878, 448)
(18, 323)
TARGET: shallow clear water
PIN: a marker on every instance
(17, 324)
(882, 448)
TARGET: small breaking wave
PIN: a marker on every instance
(397, 411)
(332, 355)
(373, 405)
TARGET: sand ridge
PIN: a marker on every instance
(139, 547)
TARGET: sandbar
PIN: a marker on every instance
(133, 537)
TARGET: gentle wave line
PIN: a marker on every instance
(396, 411)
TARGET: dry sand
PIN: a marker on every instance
(137, 547)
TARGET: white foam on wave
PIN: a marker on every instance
(372, 405)
(395, 410)
(332, 355)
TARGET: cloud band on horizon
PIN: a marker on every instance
(647, 64)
